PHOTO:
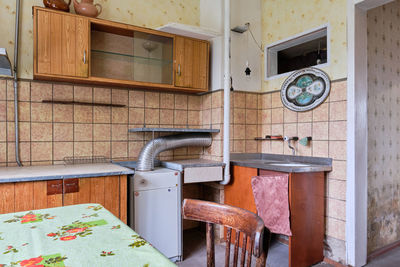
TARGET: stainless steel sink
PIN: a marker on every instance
(290, 164)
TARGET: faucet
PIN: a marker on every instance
(288, 139)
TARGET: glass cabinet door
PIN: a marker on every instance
(124, 54)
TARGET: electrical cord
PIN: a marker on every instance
(259, 46)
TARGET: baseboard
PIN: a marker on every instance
(334, 263)
(383, 250)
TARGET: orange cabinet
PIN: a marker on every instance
(61, 44)
(306, 205)
(109, 191)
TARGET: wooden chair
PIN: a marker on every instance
(242, 221)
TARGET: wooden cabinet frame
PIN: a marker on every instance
(52, 66)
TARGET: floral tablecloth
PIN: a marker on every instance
(79, 235)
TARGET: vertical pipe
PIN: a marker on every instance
(227, 87)
(16, 83)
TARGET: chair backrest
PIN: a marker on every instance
(242, 221)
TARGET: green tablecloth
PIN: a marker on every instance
(79, 235)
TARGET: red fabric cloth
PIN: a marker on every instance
(272, 202)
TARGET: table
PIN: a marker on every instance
(78, 235)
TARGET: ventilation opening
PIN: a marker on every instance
(302, 51)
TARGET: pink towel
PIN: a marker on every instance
(272, 202)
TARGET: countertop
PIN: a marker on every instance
(177, 165)
(282, 163)
(52, 172)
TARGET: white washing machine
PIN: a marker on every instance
(155, 214)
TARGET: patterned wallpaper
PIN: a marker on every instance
(149, 13)
(383, 126)
(295, 17)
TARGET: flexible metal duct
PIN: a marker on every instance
(160, 144)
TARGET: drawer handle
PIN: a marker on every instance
(56, 185)
(84, 57)
(179, 69)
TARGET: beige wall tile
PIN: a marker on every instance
(304, 116)
(63, 92)
(3, 131)
(167, 101)
(24, 111)
(336, 228)
(319, 148)
(181, 101)
(321, 112)
(101, 132)
(194, 102)
(3, 110)
(336, 209)
(10, 111)
(152, 116)
(83, 114)
(119, 132)
(304, 150)
(320, 131)
(83, 149)
(239, 100)
(266, 101)
(63, 149)
(338, 91)
(24, 131)
(3, 89)
(42, 131)
(119, 115)
(63, 113)
(277, 115)
(42, 151)
(239, 146)
(102, 95)
(102, 149)
(101, 114)
(251, 116)
(265, 130)
(180, 117)
(3, 152)
(338, 130)
(11, 153)
(337, 150)
(120, 96)
(83, 94)
(194, 117)
(290, 129)
(40, 91)
(152, 100)
(239, 115)
(25, 152)
(217, 115)
(251, 101)
(24, 91)
(251, 132)
(338, 170)
(276, 101)
(41, 112)
(10, 90)
(206, 117)
(276, 147)
(119, 149)
(83, 132)
(11, 131)
(136, 98)
(265, 116)
(206, 101)
(289, 116)
(134, 148)
(239, 131)
(337, 189)
(304, 130)
(217, 99)
(63, 132)
(251, 146)
(166, 116)
(337, 111)
(277, 129)
(136, 115)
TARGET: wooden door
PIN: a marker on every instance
(62, 43)
(192, 63)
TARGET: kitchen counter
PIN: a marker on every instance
(179, 165)
(52, 172)
(281, 163)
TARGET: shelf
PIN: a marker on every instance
(63, 102)
(138, 59)
(174, 130)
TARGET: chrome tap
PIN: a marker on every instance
(288, 139)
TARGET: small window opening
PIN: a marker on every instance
(302, 51)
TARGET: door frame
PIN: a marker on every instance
(357, 130)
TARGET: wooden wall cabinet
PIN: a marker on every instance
(109, 191)
(306, 204)
(68, 47)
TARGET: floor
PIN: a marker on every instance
(194, 251)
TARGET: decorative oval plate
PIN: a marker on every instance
(305, 89)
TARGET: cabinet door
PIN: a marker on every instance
(192, 62)
(62, 43)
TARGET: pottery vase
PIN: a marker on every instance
(87, 8)
(57, 4)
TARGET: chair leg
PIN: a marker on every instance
(210, 245)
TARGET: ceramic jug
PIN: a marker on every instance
(57, 4)
(87, 8)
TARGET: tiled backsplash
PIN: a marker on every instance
(49, 132)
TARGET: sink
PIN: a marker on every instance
(290, 164)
